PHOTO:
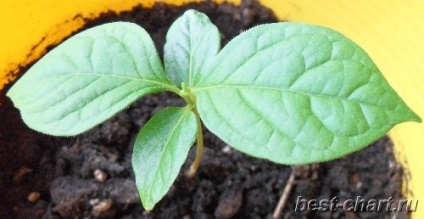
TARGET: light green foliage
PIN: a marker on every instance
(192, 40)
(89, 78)
(287, 92)
(160, 150)
(296, 93)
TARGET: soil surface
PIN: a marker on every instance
(90, 176)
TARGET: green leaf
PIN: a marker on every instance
(160, 150)
(192, 40)
(88, 78)
(294, 93)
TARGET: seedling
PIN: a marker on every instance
(291, 93)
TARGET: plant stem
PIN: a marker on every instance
(188, 96)
(199, 149)
(286, 193)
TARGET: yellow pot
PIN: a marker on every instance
(391, 31)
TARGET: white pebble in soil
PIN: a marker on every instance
(227, 149)
(100, 175)
(33, 197)
(101, 207)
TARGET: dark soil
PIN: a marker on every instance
(90, 176)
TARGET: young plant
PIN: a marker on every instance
(291, 93)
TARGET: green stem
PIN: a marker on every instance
(199, 149)
(187, 95)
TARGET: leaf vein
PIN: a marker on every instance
(171, 135)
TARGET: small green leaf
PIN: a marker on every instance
(160, 150)
(294, 93)
(88, 78)
(190, 43)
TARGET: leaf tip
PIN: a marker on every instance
(12, 92)
(412, 116)
(147, 202)
(416, 118)
(148, 207)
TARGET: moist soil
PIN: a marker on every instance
(90, 176)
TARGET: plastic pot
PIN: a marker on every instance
(390, 31)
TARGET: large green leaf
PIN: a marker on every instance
(88, 78)
(192, 40)
(160, 150)
(294, 93)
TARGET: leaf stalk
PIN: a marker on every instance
(199, 148)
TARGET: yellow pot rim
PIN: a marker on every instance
(391, 31)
